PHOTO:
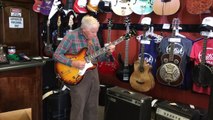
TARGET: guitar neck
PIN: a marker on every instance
(104, 49)
(48, 32)
(203, 57)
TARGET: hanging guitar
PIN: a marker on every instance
(110, 66)
(48, 48)
(72, 75)
(46, 7)
(121, 7)
(142, 79)
(125, 70)
(80, 6)
(105, 6)
(198, 6)
(203, 72)
(166, 7)
(93, 5)
(170, 73)
(141, 7)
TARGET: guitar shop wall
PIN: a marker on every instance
(189, 20)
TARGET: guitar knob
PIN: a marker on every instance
(176, 61)
(165, 60)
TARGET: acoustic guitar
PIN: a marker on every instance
(170, 73)
(166, 7)
(72, 75)
(141, 7)
(142, 79)
(202, 73)
(198, 6)
(110, 66)
(125, 70)
(121, 7)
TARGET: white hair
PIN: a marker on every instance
(89, 22)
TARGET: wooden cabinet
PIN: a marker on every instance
(19, 26)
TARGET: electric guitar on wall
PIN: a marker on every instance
(37, 6)
(72, 75)
(121, 7)
(169, 73)
(105, 6)
(166, 7)
(108, 67)
(93, 5)
(142, 79)
(46, 7)
(125, 70)
(48, 48)
(80, 6)
(203, 72)
(141, 7)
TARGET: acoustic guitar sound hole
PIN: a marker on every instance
(165, 0)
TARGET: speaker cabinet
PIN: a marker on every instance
(122, 104)
(174, 111)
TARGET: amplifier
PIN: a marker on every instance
(173, 111)
(123, 104)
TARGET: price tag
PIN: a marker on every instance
(174, 40)
(145, 42)
(166, 26)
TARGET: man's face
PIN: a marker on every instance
(90, 33)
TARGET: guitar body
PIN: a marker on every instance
(105, 6)
(169, 72)
(142, 81)
(46, 7)
(202, 74)
(121, 7)
(93, 5)
(166, 7)
(48, 49)
(72, 75)
(141, 7)
(198, 6)
(37, 6)
(80, 6)
(124, 71)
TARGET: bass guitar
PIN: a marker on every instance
(110, 66)
(170, 73)
(48, 47)
(121, 7)
(125, 70)
(72, 75)
(142, 79)
(203, 72)
(166, 7)
(141, 7)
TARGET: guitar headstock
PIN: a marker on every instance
(130, 34)
(127, 21)
(175, 23)
(59, 21)
(71, 21)
(110, 23)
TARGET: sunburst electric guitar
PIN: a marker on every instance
(72, 75)
(142, 79)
